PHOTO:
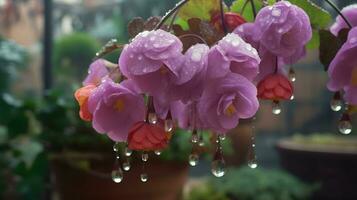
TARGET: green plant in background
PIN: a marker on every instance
(253, 184)
(22, 163)
(73, 54)
(12, 58)
(262, 184)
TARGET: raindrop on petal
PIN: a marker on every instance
(276, 108)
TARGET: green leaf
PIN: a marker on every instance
(202, 9)
(319, 17)
(315, 40)
(330, 45)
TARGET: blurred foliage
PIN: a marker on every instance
(206, 192)
(327, 139)
(73, 54)
(12, 58)
(253, 184)
(262, 184)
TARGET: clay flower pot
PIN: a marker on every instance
(72, 181)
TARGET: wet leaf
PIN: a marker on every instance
(201, 9)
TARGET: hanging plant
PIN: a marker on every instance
(203, 67)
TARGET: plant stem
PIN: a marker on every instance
(224, 25)
(244, 6)
(339, 12)
(170, 13)
(253, 8)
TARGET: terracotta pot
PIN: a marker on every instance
(166, 179)
(334, 167)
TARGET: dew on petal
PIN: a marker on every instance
(276, 12)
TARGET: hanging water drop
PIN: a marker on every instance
(336, 102)
(144, 177)
(127, 152)
(169, 125)
(292, 75)
(152, 118)
(116, 147)
(222, 137)
(345, 125)
(276, 108)
(292, 97)
(117, 173)
(195, 137)
(158, 152)
(252, 163)
(126, 165)
(218, 168)
(144, 157)
(193, 159)
(201, 141)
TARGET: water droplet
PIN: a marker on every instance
(218, 167)
(144, 177)
(158, 152)
(126, 165)
(116, 147)
(193, 159)
(201, 142)
(292, 75)
(144, 157)
(169, 125)
(222, 137)
(292, 97)
(252, 163)
(345, 125)
(117, 175)
(336, 102)
(194, 137)
(152, 118)
(276, 12)
(276, 109)
(127, 152)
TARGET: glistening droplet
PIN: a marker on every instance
(144, 157)
(345, 127)
(127, 152)
(194, 137)
(117, 175)
(336, 102)
(158, 152)
(169, 125)
(276, 108)
(218, 168)
(253, 163)
(144, 177)
(126, 165)
(152, 118)
(193, 159)
(116, 147)
(292, 75)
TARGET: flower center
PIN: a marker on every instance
(354, 77)
(231, 110)
(119, 105)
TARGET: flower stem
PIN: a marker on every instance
(339, 12)
(224, 25)
(170, 13)
(253, 8)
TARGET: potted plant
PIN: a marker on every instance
(327, 158)
(253, 184)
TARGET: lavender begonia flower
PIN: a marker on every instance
(283, 28)
(225, 101)
(116, 108)
(97, 71)
(233, 54)
(152, 60)
(350, 12)
(343, 69)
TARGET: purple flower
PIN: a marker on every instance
(233, 54)
(343, 69)
(225, 101)
(284, 28)
(115, 108)
(97, 71)
(350, 12)
(192, 75)
(152, 60)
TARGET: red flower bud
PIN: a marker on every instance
(275, 87)
(232, 21)
(147, 137)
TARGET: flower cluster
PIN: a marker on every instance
(343, 68)
(280, 33)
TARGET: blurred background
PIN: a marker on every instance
(46, 152)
